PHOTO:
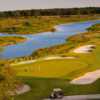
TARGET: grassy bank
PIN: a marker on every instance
(11, 40)
(32, 25)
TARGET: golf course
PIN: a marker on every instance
(43, 74)
(48, 51)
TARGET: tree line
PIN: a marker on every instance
(51, 12)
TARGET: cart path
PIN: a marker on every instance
(83, 97)
(80, 97)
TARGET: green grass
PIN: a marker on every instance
(42, 88)
(52, 68)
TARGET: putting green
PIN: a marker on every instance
(51, 68)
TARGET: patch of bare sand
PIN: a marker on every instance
(84, 49)
(88, 78)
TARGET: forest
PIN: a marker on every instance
(51, 12)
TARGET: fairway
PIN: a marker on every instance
(51, 68)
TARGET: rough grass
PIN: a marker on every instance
(42, 88)
(32, 25)
(95, 28)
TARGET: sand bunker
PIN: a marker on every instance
(84, 49)
(20, 90)
(88, 78)
(57, 57)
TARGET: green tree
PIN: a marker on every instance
(7, 81)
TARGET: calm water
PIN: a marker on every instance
(45, 39)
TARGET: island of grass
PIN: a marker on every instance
(43, 76)
(11, 40)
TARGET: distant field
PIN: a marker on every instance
(33, 25)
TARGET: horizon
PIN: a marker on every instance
(12, 5)
(45, 9)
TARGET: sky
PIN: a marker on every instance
(42, 4)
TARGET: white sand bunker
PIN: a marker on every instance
(57, 57)
(88, 78)
(84, 49)
(20, 90)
